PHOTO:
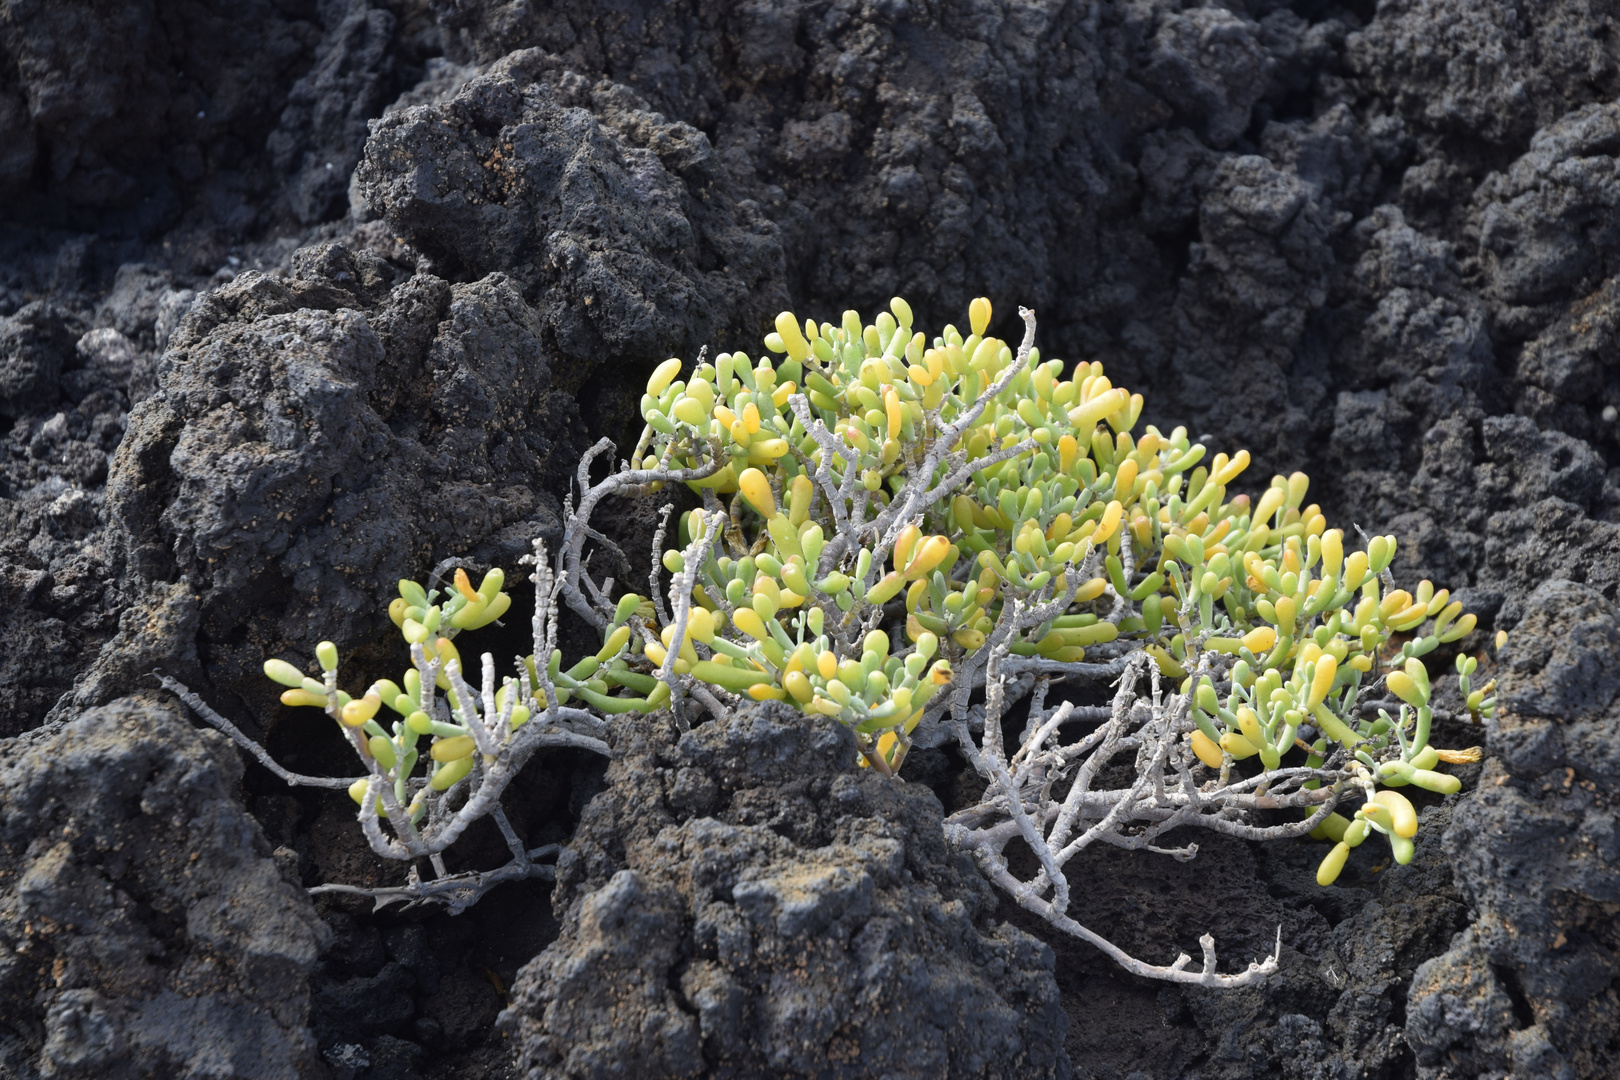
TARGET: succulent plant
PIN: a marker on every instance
(890, 523)
(870, 467)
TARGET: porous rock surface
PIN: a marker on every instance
(399, 416)
(145, 928)
(623, 227)
(1530, 988)
(123, 114)
(351, 422)
(140, 144)
(744, 900)
(1372, 242)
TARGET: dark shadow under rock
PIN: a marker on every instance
(1334, 1009)
(743, 900)
(145, 927)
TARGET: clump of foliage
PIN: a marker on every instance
(905, 535)
(1019, 512)
(476, 739)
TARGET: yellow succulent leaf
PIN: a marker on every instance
(1405, 821)
(1206, 750)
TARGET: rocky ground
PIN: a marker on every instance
(301, 296)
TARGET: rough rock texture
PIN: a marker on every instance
(330, 427)
(624, 229)
(1533, 987)
(1490, 73)
(317, 141)
(130, 115)
(744, 901)
(143, 144)
(64, 393)
(349, 423)
(111, 91)
(145, 928)
(900, 149)
(1372, 241)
